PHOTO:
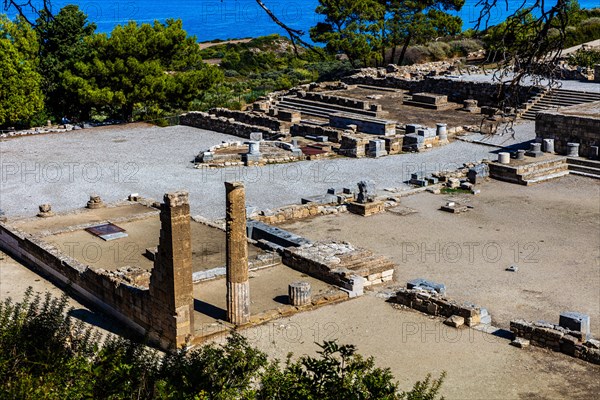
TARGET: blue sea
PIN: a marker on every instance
(229, 19)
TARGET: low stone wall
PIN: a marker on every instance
(130, 304)
(210, 122)
(372, 126)
(486, 94)
(354, 146)
(295, 212)
(250, 118)
(333, 135)
(358, 145)
(570, 125)
(340, 101)
(341, 264)
(557, 338)
(438, 305)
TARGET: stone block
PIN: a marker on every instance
(366, 209)
(575, 321)
(427, 285)
(520, 343)
(455, 321)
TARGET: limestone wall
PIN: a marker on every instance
(372, 126)
(210, 122)
(251, 119)
(486, 94)
(129, 304)
(557, 338)
(569, 128)
(338, 100)
(354, 146)
(333, 135)
(438, 305)
(295, 212)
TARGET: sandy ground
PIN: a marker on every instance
(478, 366)
(208, 246)
(16, 278)
(550, 231)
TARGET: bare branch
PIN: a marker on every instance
(294, 34)
(27, 7)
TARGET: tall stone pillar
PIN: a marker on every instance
(238, 285)
(171, 286)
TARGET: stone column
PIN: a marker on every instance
(548, 145)
(171, 286)
(299, 293)
(572, 149)
(238, 285)
(442, 132)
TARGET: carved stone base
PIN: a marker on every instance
(366, 209)
(238, 302)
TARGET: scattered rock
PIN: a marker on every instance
(512, 268)
(520, 343)
(455, 321)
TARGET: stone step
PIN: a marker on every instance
(546, 178)
(585, 169)
(583, 161)
(331, 108)
(543, 165)
(541, 172)
(304, 111)
(356, 255)
(587, 175)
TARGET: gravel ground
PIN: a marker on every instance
(64, 169)
(522, 133)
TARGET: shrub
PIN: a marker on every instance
(465, 46)
(439, 50)
(585, 58)
(416, 55)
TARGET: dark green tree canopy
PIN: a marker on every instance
(140, 67)
(21, 96)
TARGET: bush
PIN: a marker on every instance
(465, 46)
(585, 58)
(45, 355)
(416, 55)
(439, 50)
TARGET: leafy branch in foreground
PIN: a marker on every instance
(45, 354)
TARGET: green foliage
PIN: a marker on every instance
(21, 97)
(63, 43)
(44, 354)
(338, 373)
(585, 58)
(140, 67)
(465, 46)
(439, 50)
(351, 27)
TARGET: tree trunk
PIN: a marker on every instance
(406, 43)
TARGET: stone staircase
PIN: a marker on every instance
(556, 98)
(375, 269)
(584, 167)
(318, 109)
(531, 173)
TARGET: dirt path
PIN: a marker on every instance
(478, 366)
